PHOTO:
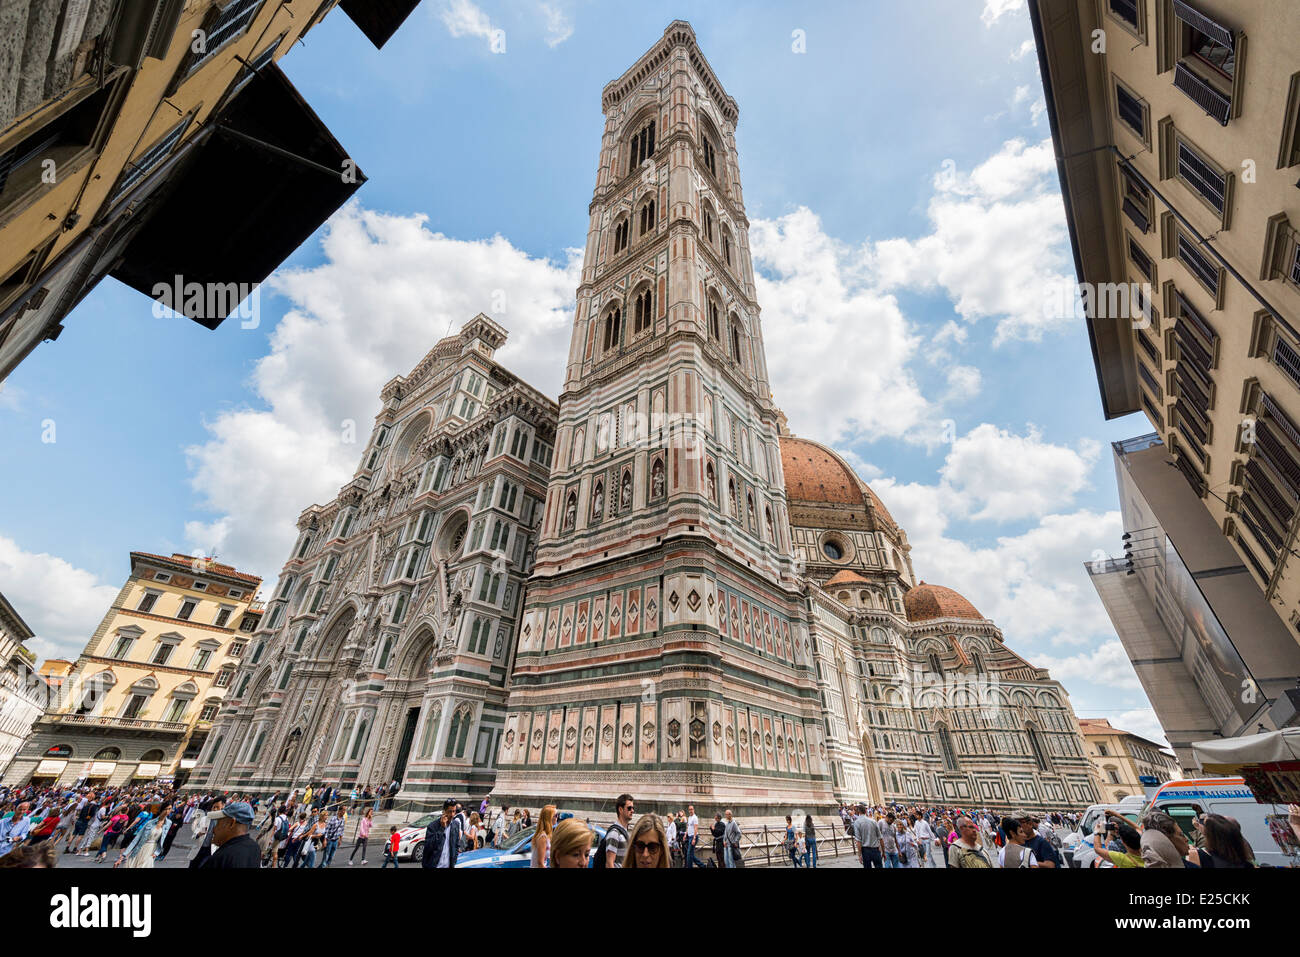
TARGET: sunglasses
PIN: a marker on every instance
(643, 847)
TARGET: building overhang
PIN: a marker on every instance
(1078, 113)
(267, 177)
(378, 19)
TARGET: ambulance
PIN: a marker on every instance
(1184, 801)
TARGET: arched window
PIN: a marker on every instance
(715, 321)
(707, 217)
(935, 665)
(613, 329)
(108, 754)
(736, 353)
(621, 231)
(642, 147)
(359, 745)
(647, 217)
(977, 661)
(946, 749)
(1036, 746)
(710, 154)
(643, 312)
(430, 731)
(727, 245)
(459, 732)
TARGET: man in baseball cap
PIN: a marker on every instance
(1042, 848)
(235, 846)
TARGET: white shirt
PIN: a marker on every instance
(672, 832)
(692, 825)
(923, 831)
(1002, 857)
(446, 849)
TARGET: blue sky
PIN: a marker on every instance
(906, 225)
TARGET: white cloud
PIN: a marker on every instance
(995, 10)
(1022, 93)
(1106, 664)
(820, 312)
(1141, 721)
(1007, 476)
(559, 25)
(1010, 203)
(1024, 50)
(62, 604)
(388, 290)
(464, 19)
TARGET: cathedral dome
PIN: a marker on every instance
(925, 602)
(816, 475)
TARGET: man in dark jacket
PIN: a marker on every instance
(442, 838)
(236, 848)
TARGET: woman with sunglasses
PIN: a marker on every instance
(648, 846)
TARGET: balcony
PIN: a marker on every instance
(111, 722)
(1213, 102)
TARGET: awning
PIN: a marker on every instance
(101, 769)
(378, 19)
(147, 770)
(268, 176)
(49, 768)
(1269, 763)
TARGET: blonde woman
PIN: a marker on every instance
(542, 836)
(571, 844)
(475, 831)
(648, 845)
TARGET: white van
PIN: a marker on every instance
(1079, 843)
(1231, 797)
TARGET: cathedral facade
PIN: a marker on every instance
(652, 587)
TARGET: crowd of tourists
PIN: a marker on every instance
(135, 826)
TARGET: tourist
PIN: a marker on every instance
(927, 842)
(442, 839)
(236, 848)
(966, 850)
(499, 825)
(1163, 845)
(294, 846)
(391, 845)
(719, 832)
(670, 832)
(571, 844)
(363, 835)
(542, 836)
(333, 834)
(1131, 856)
(692, 835)
(647, 847)
(616, 835)
(867, 835)
(888, 841)
(473, 833)
(112, 831)
(810, 839)
(94, 833)
(734, 857)
(1014, 853)
(516, 825)
(1037, 842)
(907, 854)
(139, 853)
(1224, 845)
(789, 843)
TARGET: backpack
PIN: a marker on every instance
(282, 832)
(602, 849)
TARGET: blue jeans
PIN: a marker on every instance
(306, 856)
(389, 859)
(871, 857)
(810, 855)
(690, 853)
(891, 859)
(330, 847)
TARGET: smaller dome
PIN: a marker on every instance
(926, 602)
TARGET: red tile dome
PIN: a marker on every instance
(926, 602)
(815, 474)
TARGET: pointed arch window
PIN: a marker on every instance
(458, 734)
(621, 232)
(643, 311)
(708, 224)
(1036, 746)
(430, 731)
(710, 155)
(935, 666)
(715, 322)
(736, 354)
(613, 329)
(642, 147)
(946, 749)
(726, 245)
(647, 217)
(358, 745)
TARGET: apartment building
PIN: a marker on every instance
(1120, 759)
(124, 123)
(139, 701)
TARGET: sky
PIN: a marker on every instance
(913, 273)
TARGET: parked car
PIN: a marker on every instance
(517, 851)
(1077, 846)
(411, 838)
(1187, 800)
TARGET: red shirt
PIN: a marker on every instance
(393, 842)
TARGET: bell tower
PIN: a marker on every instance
(663, 647)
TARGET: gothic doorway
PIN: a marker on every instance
(404, 749)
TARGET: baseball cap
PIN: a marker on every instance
(239, 811)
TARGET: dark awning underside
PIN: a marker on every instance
(378, 19)
(266, 179)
